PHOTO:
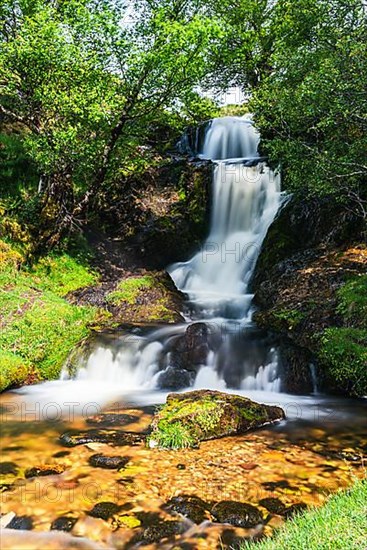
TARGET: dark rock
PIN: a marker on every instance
(181, 467)
(21, 523)
(175, 379)
(296, 373)
(61, 454)
(204, 414)
(63, 523)
(273, 505)
(108, 462)
(111, 419)
(295, 509)
(237, 513)
(281, 484)
(112, 437)
(104, 510)
(162, 530)
(7, 468)
(190, 351)
(42, 471)
(189, 506)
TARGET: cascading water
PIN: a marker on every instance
(228, 351)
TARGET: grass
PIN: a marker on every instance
(341, 524)
(39, 327)
(344, 349)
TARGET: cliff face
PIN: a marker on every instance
(313, 257)
(160, 216)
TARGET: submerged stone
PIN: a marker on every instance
(104, 510)
(191, 507)
(8, 468)
(43, 471)
(21, 523)
(162, 530)
(237, 513)
(63, 523)
(108, 462)
(273, 505)
(111, 419)
(113, 437)
(191, 417)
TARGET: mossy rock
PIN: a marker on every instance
(191, 417)
(146, 297)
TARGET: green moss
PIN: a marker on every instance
(129, 289)
(344, 352)
(39, 328)
(353, 301)
(13, 370)
(341, 524)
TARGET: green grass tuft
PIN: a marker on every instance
(341, 524)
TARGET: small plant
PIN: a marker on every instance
(171, 436)
(353, 301)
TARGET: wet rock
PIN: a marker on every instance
(190, 351)
(273, 505)
(22, 523)
(237, 513)
(8, 468)
(61, 454)
(5, 519)
(295, 509)
(112, 437)
(108, 462)
(181, 467)
(111, 419)
(162, 530)
(104, 510)
(63, 523)
(43, 471)
(175, 379)
(191, 507)
(191, 417)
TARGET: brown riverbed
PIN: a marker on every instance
(295, 463)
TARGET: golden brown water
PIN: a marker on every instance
(297, 463)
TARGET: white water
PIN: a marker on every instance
(246, 197)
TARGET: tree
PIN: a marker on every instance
(86, 84)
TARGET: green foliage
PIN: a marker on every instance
(291, 317)
(128, 290)
(39, 328)
(341, 524)
(344, 350)
(171, 436)
(353, 301)
(311, 108)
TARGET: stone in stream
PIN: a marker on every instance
(108, 462)
(104, 510)
(43, 471)
(188, 418)
(21, 523)
(63, 523)
(273, 505)
(112, 437)
(111, 419)
(191, 507)
(8, 468)
(162, 530)
(239, 514)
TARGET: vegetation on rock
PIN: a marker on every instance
(191, 417)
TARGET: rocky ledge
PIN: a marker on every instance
(191, 417)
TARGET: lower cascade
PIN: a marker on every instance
(218, 347)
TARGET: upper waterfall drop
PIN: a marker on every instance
(230, 138)
(246, 198)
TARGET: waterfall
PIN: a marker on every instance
(245, 199)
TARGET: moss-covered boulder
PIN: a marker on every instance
(188, 418)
